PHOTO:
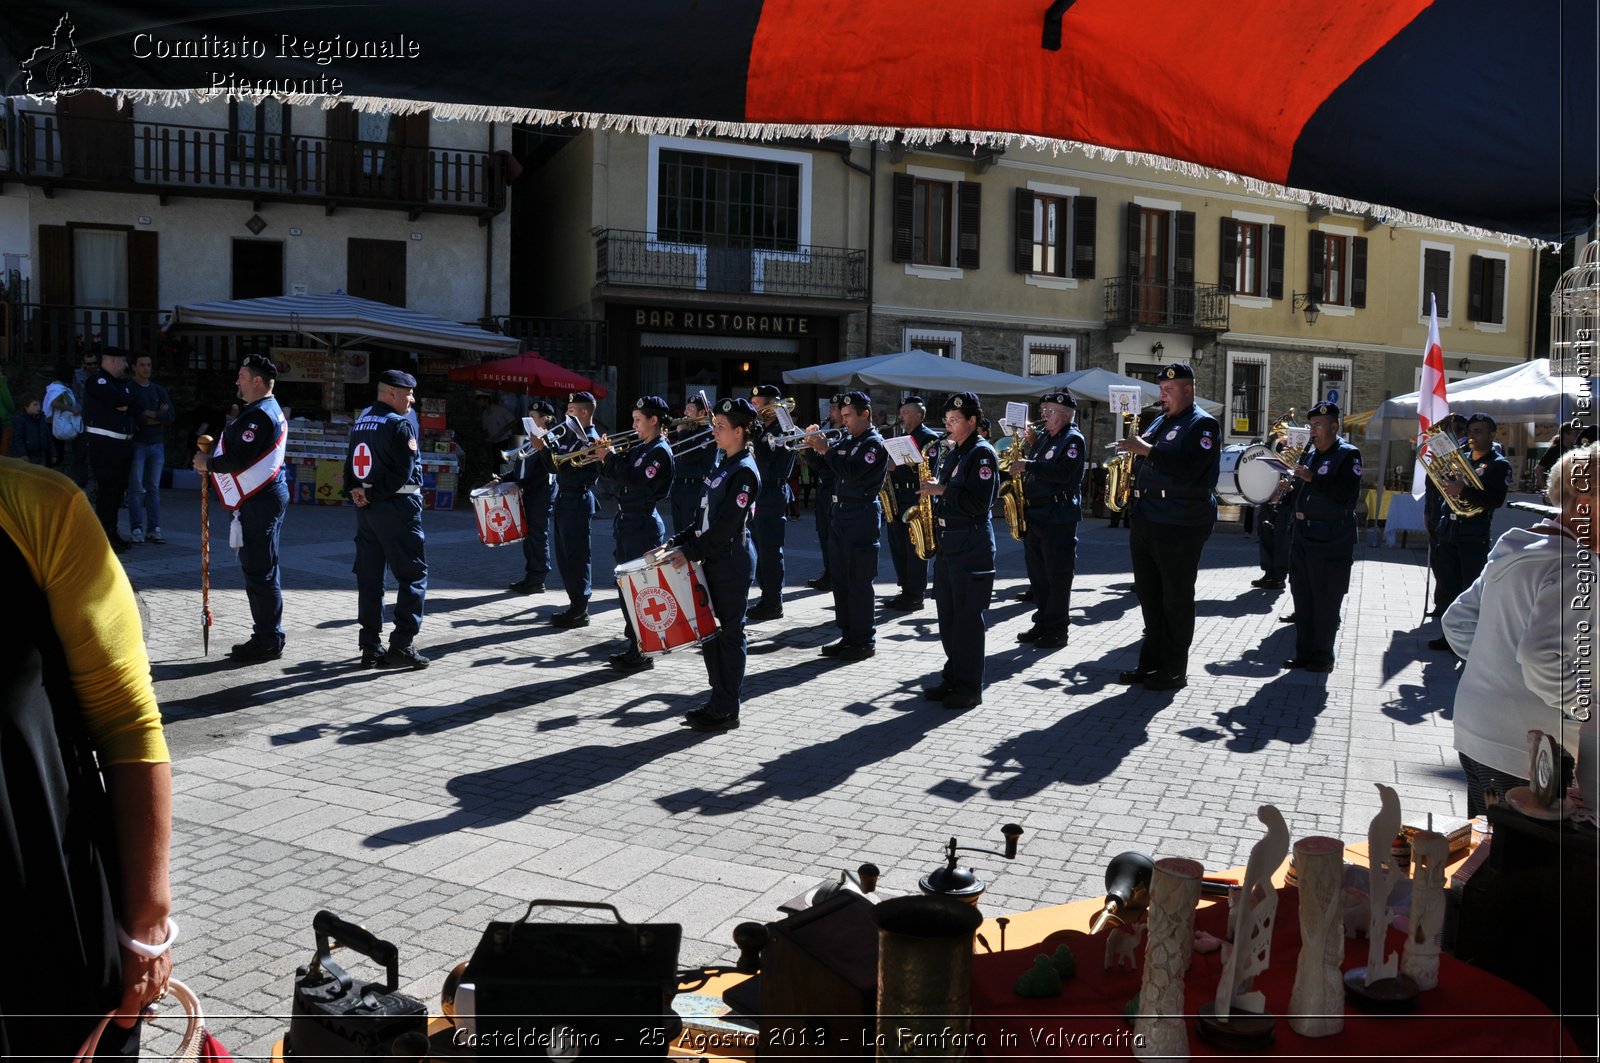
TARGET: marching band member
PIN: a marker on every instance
(858, 463)
(383, 477)
(822, 473)
(1322, 538)
(1272, 530)
(774, 463)
(1174, 508)
(1463, 542)
(574, 506)
(965, 488)
(643, 476)
(1052, 477)
(720, 542)
(538, 494)
(910, 571)
(690, 467)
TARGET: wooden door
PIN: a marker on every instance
(1155, 264)
(376, 269)
(96, 138)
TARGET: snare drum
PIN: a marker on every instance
(669, 607)
(498, 508)
(1242, 481)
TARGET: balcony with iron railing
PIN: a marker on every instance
(132, 155)
(1166, 305)
(572, 343)
(627, 259)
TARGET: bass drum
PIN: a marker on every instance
(1242, 481)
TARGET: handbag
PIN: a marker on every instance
(589, 989)
(197, 1044)
(66, 425)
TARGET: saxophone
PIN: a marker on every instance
(1011, 495)
(920, 527)
(1448, 463)
(1119, 473)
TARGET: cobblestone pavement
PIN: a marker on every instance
(518, 766)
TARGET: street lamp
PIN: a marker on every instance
(1308, 302)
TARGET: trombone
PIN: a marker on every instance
(794, 440)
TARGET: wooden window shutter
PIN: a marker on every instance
(1183, 260)
(231, 149)
(1436, 279)
(412, 128)
(1316, 265)
(144, 271)
(55, 265)
(1085, 224)
(1358, 272)
(969, 203)
(1023, 262)
(1495, 312)
(1476, 289)
(1275, 240)
(1130, 230)
(904, 210)
(1228, 259)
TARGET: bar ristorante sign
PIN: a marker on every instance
(719, 322)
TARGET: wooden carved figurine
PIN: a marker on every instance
(1121, 942)
(1258, 904)
(1160, 1031)
(1316, 1006)
(1429, 853)
(1384, 876)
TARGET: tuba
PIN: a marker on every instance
(1119, 473)
(1011, 494)
(920, 526)
(1442, 460)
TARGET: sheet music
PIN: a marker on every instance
(1275, 464)
(786, 423)
(1125, 399)
(532, 428)
(902, 450)
(1016, 415)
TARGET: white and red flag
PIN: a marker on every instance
(1433, 405)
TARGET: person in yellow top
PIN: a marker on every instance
(85, 781)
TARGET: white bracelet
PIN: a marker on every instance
(149, 952)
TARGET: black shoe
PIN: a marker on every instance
(630, 661)
(1052, 641)
(1297, 662)
(402, 657)
(963, 700)
(370, 656)
(1440, 643)
(527, 586)
(1131, 677)
(706, 723)
(1268, 584)
(1025, 596)
(821, 583)
(833, 649)
(1288, 619)
(1030, 635)
(765, 612)
(577, 616)
(252, 651)
(1319, 666)
(857, 652)
(904, 603)
(938, 692)
(1166, 682)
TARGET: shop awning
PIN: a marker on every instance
(688, 341)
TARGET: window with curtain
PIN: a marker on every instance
(100, 278)
(372, 130)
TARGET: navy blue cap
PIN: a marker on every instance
(964, 402)
(580, 396)
(542, 406)
(1176, 371)
(1482, 418)
(859, 399)
(739, 412)
(914, 400)
(396, 379)
(766, 391)
(259, 363)
(1060, 398)
(652, 406)
(1324, 409)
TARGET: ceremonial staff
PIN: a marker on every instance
(204, 443)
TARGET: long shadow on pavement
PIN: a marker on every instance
(1284, 710)
(1413, 704)
(1080, 748)
(265, 691)
(1260, 662)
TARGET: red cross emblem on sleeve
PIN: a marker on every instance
(361, 461)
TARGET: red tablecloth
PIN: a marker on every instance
(1471, 1014)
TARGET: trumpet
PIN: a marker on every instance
(619, 444)
(794, 439)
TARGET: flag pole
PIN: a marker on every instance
(204, 443)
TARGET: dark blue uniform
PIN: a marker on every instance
(384, 460)
(1173, 511)
(575, 507)
(822, 477)
(1323, 548)
(245, 442)
(858, 464)
(643, 477)
(689, 471)
(538, 494)
(910, 571)
(720, 542)
(1272, 538)
(963, 568)
(1462, 544)
(769, 527)
(108, 427)
(1051, 486)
